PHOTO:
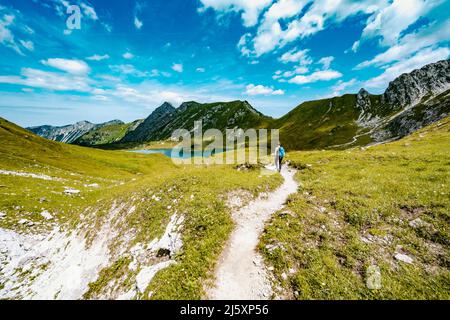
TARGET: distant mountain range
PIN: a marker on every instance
(411, 102)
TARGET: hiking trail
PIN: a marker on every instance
(241, 273)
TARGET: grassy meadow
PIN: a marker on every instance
(359, 208)
(107, 177)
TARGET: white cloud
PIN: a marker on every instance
(250, 9)
(298, 74)
(326, 62)
(76, 67)
(355, 46)
(178, 67)
(323, 75)
(389, 22)
(6, 35)
(254, 90)
(147, 96)
(270, 35)
(417, 61)
(128, 55)
(410, 44)
(201, 70)
(29, 45)
(158, 73)
(88, 11)
(138, 23)
(49, 80)
(97, 57)
(297, 56)
(243, 44)
(340, 86)
(128, 69)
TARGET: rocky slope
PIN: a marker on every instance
(107, 134)
(69, 133)
(409, 89)
(220, 115)
(150, 127)
(411, 102)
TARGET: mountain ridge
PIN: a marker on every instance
(410, 102)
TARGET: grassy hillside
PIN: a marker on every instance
(319, 124)
(356, 211)
(131, 183)
(219, 115)
(108, 134)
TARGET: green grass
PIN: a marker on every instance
(104, 135)
(316, 242)
(129, 179)
(373, 193)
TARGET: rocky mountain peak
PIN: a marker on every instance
(363, 100)
(363, 92)
(409, 89)
(165, 107)
(81, 123)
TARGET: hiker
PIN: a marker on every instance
(279, 155)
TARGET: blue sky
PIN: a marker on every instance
(130, 56)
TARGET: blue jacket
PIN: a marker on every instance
(282, 152)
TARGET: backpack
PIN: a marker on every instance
(282, 152)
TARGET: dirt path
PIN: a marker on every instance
(241, 273)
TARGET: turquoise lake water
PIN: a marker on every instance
(178, 155)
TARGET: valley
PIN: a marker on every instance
(361, 212)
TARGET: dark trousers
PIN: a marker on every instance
(280, 163)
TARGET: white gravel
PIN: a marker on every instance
(241, 274)
(30, 175)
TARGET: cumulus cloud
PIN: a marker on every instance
(7, 37)
(322, 75)
(341, 86)
(76, 67)
(297, 56)
(128, 69)
(326, 62)
(270, 33)
(158, 73)
(317, 16)
(254, 90)
(285, 21)
(49, 80)
(178, 67)
(97, 57)
(249, 10)
(410, 44)
(138, 23)
(128, 55)
(299, 74)
(389, 22)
